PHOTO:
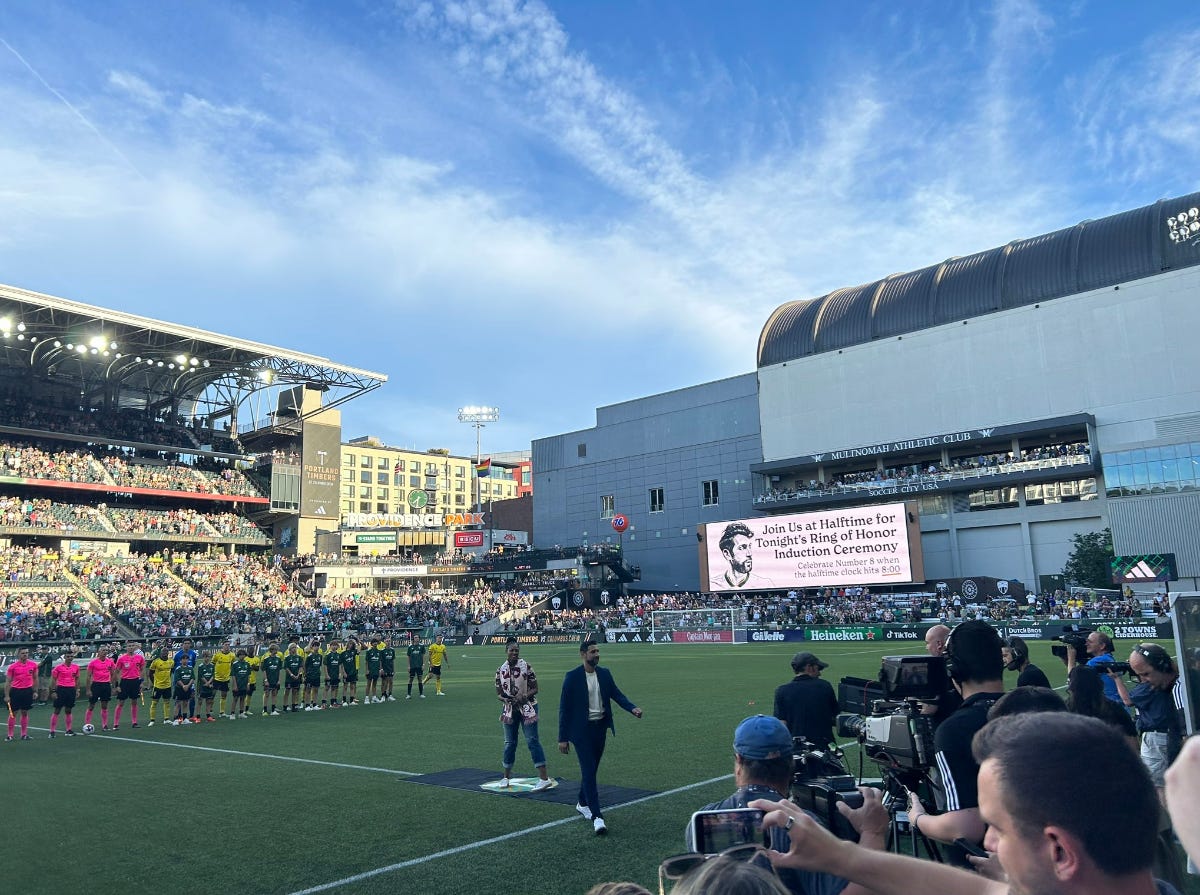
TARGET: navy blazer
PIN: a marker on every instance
(573, 703)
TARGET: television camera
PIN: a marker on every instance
(819, 782)
(886, 716)
(1074, 637)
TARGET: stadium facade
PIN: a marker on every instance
(1021, 395)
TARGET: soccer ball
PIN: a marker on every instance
(89, 728)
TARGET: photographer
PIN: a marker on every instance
(807, 704)
(1159, 707)
(1048, 840)
(763, 766)
(949, 702)
(1100, 649)
(975, 665)
(1016, 658)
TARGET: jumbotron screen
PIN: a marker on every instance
(845, 547)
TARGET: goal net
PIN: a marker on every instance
(696, 625)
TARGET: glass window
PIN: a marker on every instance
(381, 508)
(414, 481)
(460, 486)
(366, 462)
(1154, 469)
(382, 493)
(364, 477)
(381, 478)
(347, 459)
(656, 500)
(381, 463)
(364, 506)
(1138, 456)
(347, 490)
(347, 475)
(1153, 454)
(459, 500)
(365, 493)
(1125, 475)
(1123, 457)
(608, 506)
(460, 472)
(712, 493)
(398, 466)
(1141, 476)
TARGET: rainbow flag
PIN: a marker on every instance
(483, 468)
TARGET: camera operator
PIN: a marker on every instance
(975, 665)
(1048, 839)
(1159, 705)
(948, 703)
(763, 767)
(1100, 648)
(807, 704)
(1016, 658)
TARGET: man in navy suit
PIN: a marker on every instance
(585, 718)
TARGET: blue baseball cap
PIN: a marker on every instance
(761, 737)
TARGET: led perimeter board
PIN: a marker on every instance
(849, 546)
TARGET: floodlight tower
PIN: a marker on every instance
(478, 417)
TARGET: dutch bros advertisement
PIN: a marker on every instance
(830, 548)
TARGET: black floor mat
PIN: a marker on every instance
(567, 791)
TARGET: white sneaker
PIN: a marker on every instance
(542, 784)
(422, 695)
(585, 811)
(409, 696)
(151, 724)
(391, 698)
(599, 826)
(231, 717)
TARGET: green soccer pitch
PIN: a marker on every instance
(318, 801)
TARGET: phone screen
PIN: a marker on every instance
(715, 831)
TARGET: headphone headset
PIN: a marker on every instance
(1018, 650)
(956, 670)
(1156, 656)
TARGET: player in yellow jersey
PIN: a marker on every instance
(255, 661)
(437, 660)
(159, 673)
(223, 660)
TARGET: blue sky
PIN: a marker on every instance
(553, 206)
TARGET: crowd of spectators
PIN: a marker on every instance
(43, 514)
(57, 614)
(994, 463)
(31, 565)
(45, 412)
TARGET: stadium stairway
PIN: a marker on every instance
(95, 603)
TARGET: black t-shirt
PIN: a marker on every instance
(808, 706)
(1032, 676)
(958, 771)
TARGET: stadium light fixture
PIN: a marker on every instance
(478, 417)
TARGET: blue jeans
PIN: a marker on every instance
(531, 740)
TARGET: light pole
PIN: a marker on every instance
(478, 417)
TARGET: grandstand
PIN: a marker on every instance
(127, 443)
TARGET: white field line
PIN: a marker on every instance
(331, 764)
(470, 846)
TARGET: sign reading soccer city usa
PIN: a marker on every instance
(845, 547)
(411, 520)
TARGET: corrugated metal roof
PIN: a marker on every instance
(1091, 255)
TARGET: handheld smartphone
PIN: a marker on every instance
(970, 848)
(715, 831)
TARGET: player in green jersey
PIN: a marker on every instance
(349, 657)
(184, 680)
(416, 663)
(272, 668)
(206, 673)
(373, 660)
(333, 674)
(239, 673)
(387, 670)
(293, 677)
(312, 676)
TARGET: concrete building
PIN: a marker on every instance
(1023, 395)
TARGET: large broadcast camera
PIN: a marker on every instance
(1074, 637)
(819, 782)
(886, 716)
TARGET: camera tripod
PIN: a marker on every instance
(896, 784)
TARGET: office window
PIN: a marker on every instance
(382, 495)
(381, 478)
(414, 481)
(712, 493)
(366, 462)
(365, 493)
(347, 490)
(381, 463)
(460, 471)
(608, 506)
(348, 460)
(381, 508)
(364, 506)
(656, 500)
(347, 475)
(459, 500)
(364, 477)
(581, 449)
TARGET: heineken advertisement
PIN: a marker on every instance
(1122, 629)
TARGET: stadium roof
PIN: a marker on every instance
(1091, 255)
(140, 361)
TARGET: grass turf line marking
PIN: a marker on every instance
(331, 764)
(471, 846)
